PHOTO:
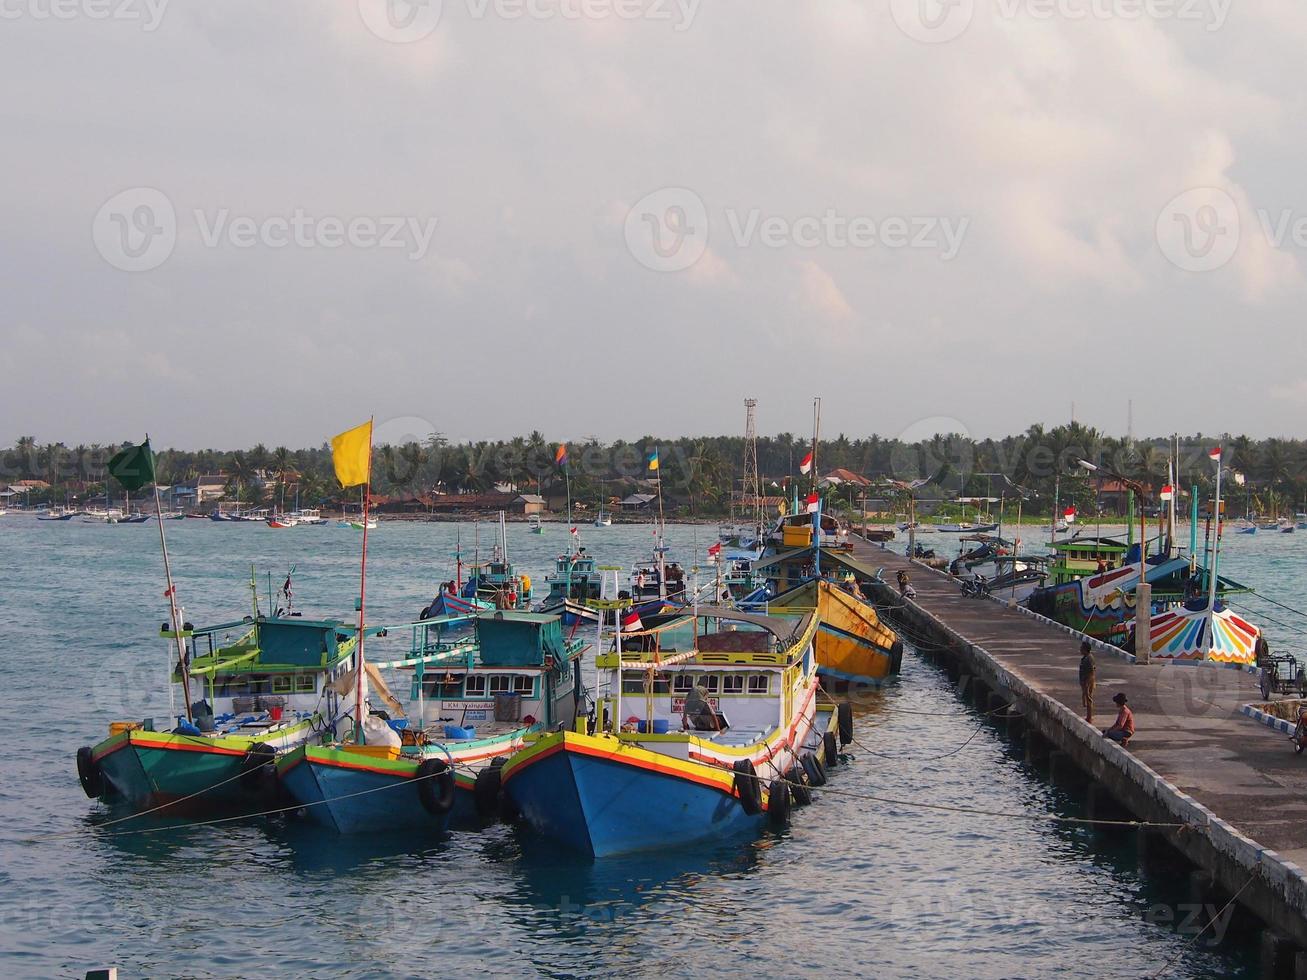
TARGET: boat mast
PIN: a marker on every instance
(1216, 546)
(752, 483)
(816, 519)
(182, 665)
(1057, 506)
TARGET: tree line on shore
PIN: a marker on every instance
(699, 475)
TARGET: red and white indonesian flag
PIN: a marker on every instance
(1214, 452)
(1167, 493)
(631, 622)
(1069, 515)
(714, 550)
(806, 465)
(812, 503)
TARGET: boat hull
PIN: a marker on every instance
(852, 644)
(578, 790)
(602, 796)
(360, 795)
(354, 793)
(151, 769)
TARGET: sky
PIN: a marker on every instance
(240, 222)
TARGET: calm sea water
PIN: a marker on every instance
(853, 887)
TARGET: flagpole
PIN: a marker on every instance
(363, 592)
(1216, 548)
(172, 605)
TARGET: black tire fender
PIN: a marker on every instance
(88, 771)
(435, 785)
(800, 789)
(778, 803)
(487, 789)
(844, 718)
(830, 749)
(259, 755)
(815, 770)
(896, 657)
(746, 787)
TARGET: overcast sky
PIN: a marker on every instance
(247, 221)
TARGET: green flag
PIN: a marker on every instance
(134, 466)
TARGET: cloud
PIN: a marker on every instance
(1059, 141)
(821, 295)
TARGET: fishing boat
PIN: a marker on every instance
(282, 520)
(703, 722)
(534, 525)
(1300, 519)
(476, 700)
(57, 514)
(574, 582)
(1245, 527)
(796, 531)
(602, 519)
(656, 583)
(966, 527)
(1286, 527)
(497, 582)
(264, 689)
(852, 644)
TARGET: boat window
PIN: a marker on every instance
(500, 683)
(522, 684)
(733, 684)
(634, 684)
(712, 682)
(304, 684)
(758, 683)
(259, 684)
(476, 683)
(283, 684)
(683, 683)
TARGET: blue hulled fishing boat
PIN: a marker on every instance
(702, 725)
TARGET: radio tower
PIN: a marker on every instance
(752, 484)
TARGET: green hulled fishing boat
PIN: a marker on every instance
(265, 687)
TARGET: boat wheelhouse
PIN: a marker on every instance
(703, 722)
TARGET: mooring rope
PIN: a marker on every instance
(240, 816)
(1210, 922)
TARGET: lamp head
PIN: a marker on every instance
(1084, 464)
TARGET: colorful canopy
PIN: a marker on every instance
(1197, 634)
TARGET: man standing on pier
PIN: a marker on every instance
(1087, 680)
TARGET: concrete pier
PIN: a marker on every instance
(1237, 786)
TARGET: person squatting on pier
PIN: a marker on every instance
(1123, 729)
(1088, 677)
(905, 586)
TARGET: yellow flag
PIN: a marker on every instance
(352, 453)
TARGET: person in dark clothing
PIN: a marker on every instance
(698, 713)
(1088, 678)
